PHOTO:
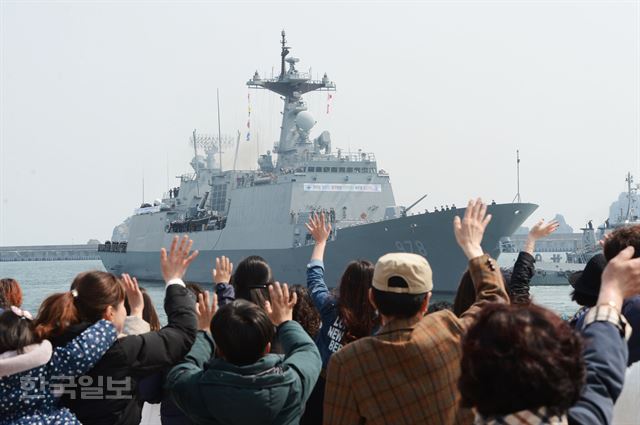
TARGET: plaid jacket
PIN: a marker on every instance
(408, 372)
(540, 416)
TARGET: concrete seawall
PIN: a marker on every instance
(49, 253)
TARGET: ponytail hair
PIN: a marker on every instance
(251, 280)
(90, 295)
(16, 332)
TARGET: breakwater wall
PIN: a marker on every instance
(49, 253)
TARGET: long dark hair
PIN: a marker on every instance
(96, 291)
(355, 310)
(16, 332)
(251, 280)
(304, 311)
(10, 293)
(149, 313)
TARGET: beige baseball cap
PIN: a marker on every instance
(403, 273)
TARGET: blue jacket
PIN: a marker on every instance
(631, 312)
(329, 338)
(606, 362)
(27, 396)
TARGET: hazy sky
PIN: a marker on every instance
(94, 95)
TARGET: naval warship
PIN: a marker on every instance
(263, 212)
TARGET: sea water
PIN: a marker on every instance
(39, 279)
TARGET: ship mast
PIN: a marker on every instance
(629, 181)
(291, 84)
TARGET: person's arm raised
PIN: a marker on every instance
(134, 295)
(300, 351)
(205, 310)
(485, 273)
(524, 268)
(221, 280)
(320, 230)
(320, 295)
(538, 231)
(606, 351)
(174, 264)
(470, 229)
(154, 351)
(134, 324)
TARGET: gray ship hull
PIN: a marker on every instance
(430, 235)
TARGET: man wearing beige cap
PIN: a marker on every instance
(408, 372)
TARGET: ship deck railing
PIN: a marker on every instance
(119, 247)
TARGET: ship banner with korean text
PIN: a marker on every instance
(341, 187)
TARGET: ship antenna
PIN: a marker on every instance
(195, 149)
(219, 133)
(629, 181)
(235, 157)
(517, 197)
(195, 158)
(283, 54)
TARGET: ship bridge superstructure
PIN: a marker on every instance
(295, 144)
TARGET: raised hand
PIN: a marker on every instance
(223, 270)
(319, 228)
(280, 307)
(539, 231)
(205, 310)
(134, 295)
(604, 240)
(620, 278)
(175, 264)
(470, 230)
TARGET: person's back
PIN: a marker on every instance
(422, 357)
(244, 384)
(109, 393)
(407, 373)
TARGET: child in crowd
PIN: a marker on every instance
(235, 380)
(99, 295)
(31, 370)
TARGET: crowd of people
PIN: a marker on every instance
(373, 351)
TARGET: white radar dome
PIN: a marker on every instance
(305, 120)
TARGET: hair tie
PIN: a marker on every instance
(23, 314)
(74, 293)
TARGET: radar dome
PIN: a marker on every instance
(305, 120)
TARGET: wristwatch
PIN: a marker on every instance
(608, 313)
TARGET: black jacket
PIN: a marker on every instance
(115, 377)
(518, 285)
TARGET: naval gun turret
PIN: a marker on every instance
(295, 144)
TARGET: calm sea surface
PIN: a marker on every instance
(39, 279)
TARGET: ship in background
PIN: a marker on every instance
(263, 212)
(560, 255)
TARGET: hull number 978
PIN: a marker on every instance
(416, 247)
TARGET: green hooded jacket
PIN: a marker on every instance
(274, 390)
